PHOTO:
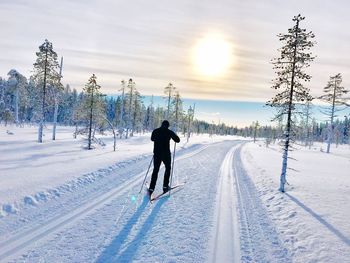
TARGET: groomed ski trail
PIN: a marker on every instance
(216, 217)
(259, 239)
(225, 243)
(175, 229)
(242, 231)
(22, 240)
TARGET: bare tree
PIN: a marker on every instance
(334, 93)
(190, 116)
(56, 94)
(129, 97)
(169, 91)
(18, 82)
(122, 109)
(45, 72)
(92, 104)
(255, 127)
(295, 56)
(177, 104)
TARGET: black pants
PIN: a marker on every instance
(158, 159)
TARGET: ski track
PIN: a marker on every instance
(225, 243)
(259, 240)
(30, 233)
(216, 217)
(161, 233)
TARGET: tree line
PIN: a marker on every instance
(42, 98)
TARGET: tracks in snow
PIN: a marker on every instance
(259, 240)
(243, 231)
(16, 244)
(226, 236)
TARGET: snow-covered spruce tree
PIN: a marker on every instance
(121, 109)
(334, 93)
(190, 117)
(45, 73)
(169, 91)
(93, 105)
(149, 122)
(295, 56)
(178, 111)
(159, 115)
(346, 130)
(2, 97)
(18, 84)
(69, 101)
(78, 113)
(255, 126)
(7, 116)
(306, 119)
(129, 101)
(111, 109)
(56, 92)
(137, 114)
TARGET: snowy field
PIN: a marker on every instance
(31, 172)
(62, 203)
(312, 217)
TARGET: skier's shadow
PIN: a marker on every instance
(111, 253)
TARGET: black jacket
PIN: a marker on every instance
(161, 138)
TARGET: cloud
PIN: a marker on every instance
(152, 41)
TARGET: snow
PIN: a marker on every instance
(31, 172)
(177, 229)
(226, 234)
(312, 217)
(62, 203)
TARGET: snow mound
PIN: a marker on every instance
(70, 186)
(9, 209)
(29, 200)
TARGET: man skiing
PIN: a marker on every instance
(161, 137)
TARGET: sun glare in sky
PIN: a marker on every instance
(212, 56)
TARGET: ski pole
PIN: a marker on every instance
(172, 168)
(144, 180)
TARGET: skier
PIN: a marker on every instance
(161, 137)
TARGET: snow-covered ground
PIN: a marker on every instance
(312, 217)
(62, 203)
(31, 172)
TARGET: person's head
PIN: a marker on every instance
(165, 124)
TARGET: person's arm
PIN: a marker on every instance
(153, 136)
(174, 137)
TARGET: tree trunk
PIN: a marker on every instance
(55, 116)
(90, 121)
(129, 113)
(114, 134)
(168, 110)
(76, 130)
(307, 139)
(255, 130)
(122, 113)
(16, 104)
(283, 179)
(330, 130)
(188, 128)
(176, 113)
(41, 125)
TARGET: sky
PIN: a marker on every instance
(154, 43)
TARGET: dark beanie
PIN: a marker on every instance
(165, 124)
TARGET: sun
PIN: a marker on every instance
(212, 56)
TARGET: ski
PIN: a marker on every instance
(152, 199)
